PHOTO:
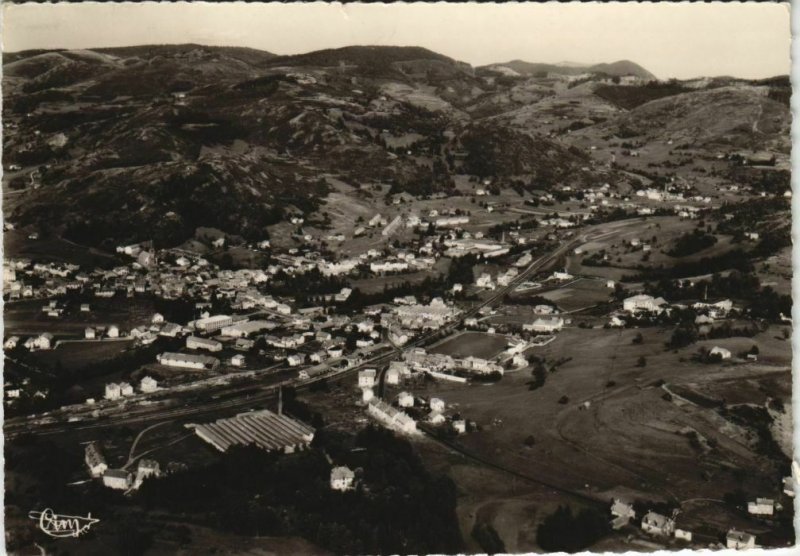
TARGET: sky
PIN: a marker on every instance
(682, 40)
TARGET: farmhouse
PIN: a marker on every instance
(623, 513)
(657, 524)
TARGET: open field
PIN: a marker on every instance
(630, 436)
(17, 246)
(475, 344)
(26, 317)
(74, 355)
(580, 294)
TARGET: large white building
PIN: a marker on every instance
(545, 325)
(642, 302)
(193, 342)
(762, 506)
(267, 430)
(117, 479)
(434, 315)
(212, 323)
(245, 329)
(188, 361)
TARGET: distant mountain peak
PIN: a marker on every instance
(618, 68)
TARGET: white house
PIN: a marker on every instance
(296, 359)
(94, 460)
(622, 509)
(11, 342)
(113, 331)
(145, 469)
(342, 478)
(657, 524)
(158, 318)
(43, 341)
(459, 426)
(125, 389)
(112, 391)
(393, 376)
(683, 535)
(435, 418)
(117, 479)
(148, 384)
(367, 394)
(722, 352)
(738, 540)
(762, 506)
(436, 404)
(405, 399)
(237, 360)
(366, 378)
(89, 333)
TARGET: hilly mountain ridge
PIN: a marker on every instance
(167, 138)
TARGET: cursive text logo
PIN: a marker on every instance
(57, 525)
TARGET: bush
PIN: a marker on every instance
(487, 538)
(562, 531)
